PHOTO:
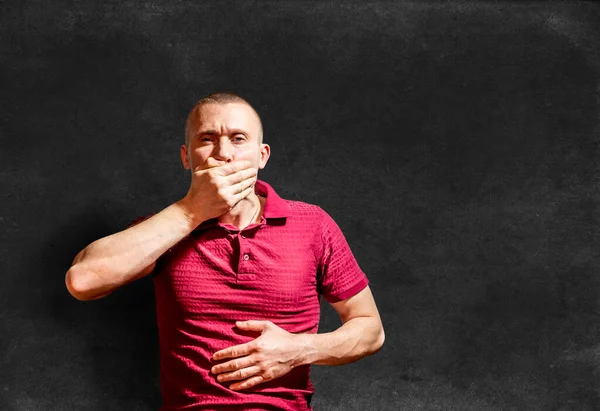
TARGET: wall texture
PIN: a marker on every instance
(455, 143)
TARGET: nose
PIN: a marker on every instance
(223, 151)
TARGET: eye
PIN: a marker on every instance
(239, 138)
(205, 138)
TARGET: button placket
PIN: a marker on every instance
(245, 272)
(244, 257)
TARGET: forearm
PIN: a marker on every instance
(357, 338)
(120, 258)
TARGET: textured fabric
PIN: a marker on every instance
(274, 270)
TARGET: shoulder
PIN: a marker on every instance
(313, 219)
(306, 211)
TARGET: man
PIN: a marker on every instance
(237, 272)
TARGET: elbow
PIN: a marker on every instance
(76, 283)
(379, 340)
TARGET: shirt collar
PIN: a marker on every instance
(275, 206)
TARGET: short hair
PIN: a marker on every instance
(220, 97)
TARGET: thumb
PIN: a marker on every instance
(252, 325)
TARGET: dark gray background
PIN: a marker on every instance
(454, 143)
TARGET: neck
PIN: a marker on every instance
(245, 213)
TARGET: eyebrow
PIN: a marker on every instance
(214, 132)
(209, 131)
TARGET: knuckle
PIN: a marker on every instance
(222, 192)
(220, 184)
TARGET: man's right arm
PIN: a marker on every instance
(120, 258)
(123, 257)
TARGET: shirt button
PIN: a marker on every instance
(246, 257)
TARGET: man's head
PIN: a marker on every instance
(223, 127)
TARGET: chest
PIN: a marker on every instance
(222, 275)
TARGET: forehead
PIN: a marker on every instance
(224, 116)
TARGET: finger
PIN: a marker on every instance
(250, 382)
(224, 167)
(242, 175)
(211, 162)
(239, 374)
(234, 167)
(233, 365)
(253, 325)
(240, 196)
(232, 352)
(244, 185)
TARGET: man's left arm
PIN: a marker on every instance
(361, 333)
(276, 352)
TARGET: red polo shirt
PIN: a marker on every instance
(274, 270)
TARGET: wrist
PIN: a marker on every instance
(188, 212)
(308, 349)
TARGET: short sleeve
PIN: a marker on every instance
(339, 276)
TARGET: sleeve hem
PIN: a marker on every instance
(351, 292)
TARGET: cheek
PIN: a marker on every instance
(198, 156)
(245, 153)
(204, 151)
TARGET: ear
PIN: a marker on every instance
(265, 153)
(185, 160)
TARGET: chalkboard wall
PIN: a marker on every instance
(455, 143)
